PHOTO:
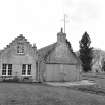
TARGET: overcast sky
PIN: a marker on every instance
(40, 20)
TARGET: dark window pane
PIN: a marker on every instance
(9, 72)
(23, 69)
(29, 69)
(24, 66)
(4, 66)
(3, 72)
(9, 66)
(9, 69)
(4, 69)
(29, 72)
(23, 72)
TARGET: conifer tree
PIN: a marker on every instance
(86, 52)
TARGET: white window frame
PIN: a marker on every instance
(26, 70)
(7, 66)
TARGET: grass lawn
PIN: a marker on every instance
(39, 94)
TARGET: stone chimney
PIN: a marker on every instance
(35, 48)
(61, 37)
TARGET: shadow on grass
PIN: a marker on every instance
(90, 89)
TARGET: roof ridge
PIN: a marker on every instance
(46, 46)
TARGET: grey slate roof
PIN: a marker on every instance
(45, 51)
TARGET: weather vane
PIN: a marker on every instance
(64, 21)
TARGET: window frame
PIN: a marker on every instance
(9, 69)
(27, 70)
(20, 48)
(6, 69)
(23, 69)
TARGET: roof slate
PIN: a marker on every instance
(44, 52)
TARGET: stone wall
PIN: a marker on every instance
(9, 55)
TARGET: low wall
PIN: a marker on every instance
(99, 78)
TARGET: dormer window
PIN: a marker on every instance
(20, 48)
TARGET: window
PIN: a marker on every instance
(26, 69)
(29, 70)
(20, 48)
(6, 69)
(9, 69)
(23, 69)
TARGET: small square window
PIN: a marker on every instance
(20, 48)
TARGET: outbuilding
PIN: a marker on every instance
(57, 62)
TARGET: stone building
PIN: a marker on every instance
(18, 59)
(57, 62)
